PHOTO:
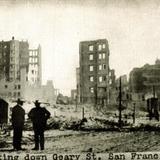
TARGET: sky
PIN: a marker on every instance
(132, 29)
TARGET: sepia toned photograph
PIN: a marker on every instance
(79, 77)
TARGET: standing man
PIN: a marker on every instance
(17, 118)
(39, 116)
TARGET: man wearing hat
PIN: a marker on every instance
(17, 118)
(39, 116)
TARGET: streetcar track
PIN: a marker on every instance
(140, 139)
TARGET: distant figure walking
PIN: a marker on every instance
(39, 116)
(17, 118)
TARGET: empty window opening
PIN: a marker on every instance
(92, 90)
(100, 79)
(100, 56)
(91, 57)
(91, 78)
(99, 47)
(100, 67)
(104, 66)
(91, 48)
(90, 68)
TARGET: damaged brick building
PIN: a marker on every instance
(144, 79)
(20, 72)
(14, 66)
(94, 71)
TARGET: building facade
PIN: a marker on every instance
(44, 93)
(34, 72)
(14, 62)
(74, 96)
(94, 71)
(146, 80)
(20, 67)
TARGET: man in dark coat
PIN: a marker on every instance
(17, 118)
(39, 116)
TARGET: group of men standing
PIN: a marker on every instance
(38, 116)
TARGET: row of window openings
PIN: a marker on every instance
(15, 94)
(15, 87)
(18, 78)
(1, 46)
(32, 53)
(11, 78)
(100, 78)
(3, 60)
(33, 60)
(12, 66)
(91, 89)
(33, 65)
(4, 54)
(18, 73)
(100, 67)
(100, 56)
(12, 72)
(34, 72)
(11, 54)
(34, 79)
(100, 47)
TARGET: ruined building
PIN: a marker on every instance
(94, 71)
(34, 72)
(14, 65)
(20, 67)
(143, 80)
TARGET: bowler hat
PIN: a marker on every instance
(19, 100)
(37, 102)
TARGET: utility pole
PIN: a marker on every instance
(76, 104)
(120, 103)
(96, 76)
(76, 97)
(154, 92)
(134, 112)
(83, 113)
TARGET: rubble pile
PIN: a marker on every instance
(146, 127)
(89, 123)
(4, 135)
(28, 125)
(55, 122)
(100, 124)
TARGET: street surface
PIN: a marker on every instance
(66, 141)
(99, 142)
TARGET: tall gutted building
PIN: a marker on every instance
(14, 61)
(34, 73)
(15, 68)
(13, 58)
(94, 71)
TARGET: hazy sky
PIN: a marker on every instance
(132, 29)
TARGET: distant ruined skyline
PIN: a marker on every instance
(131, 28)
